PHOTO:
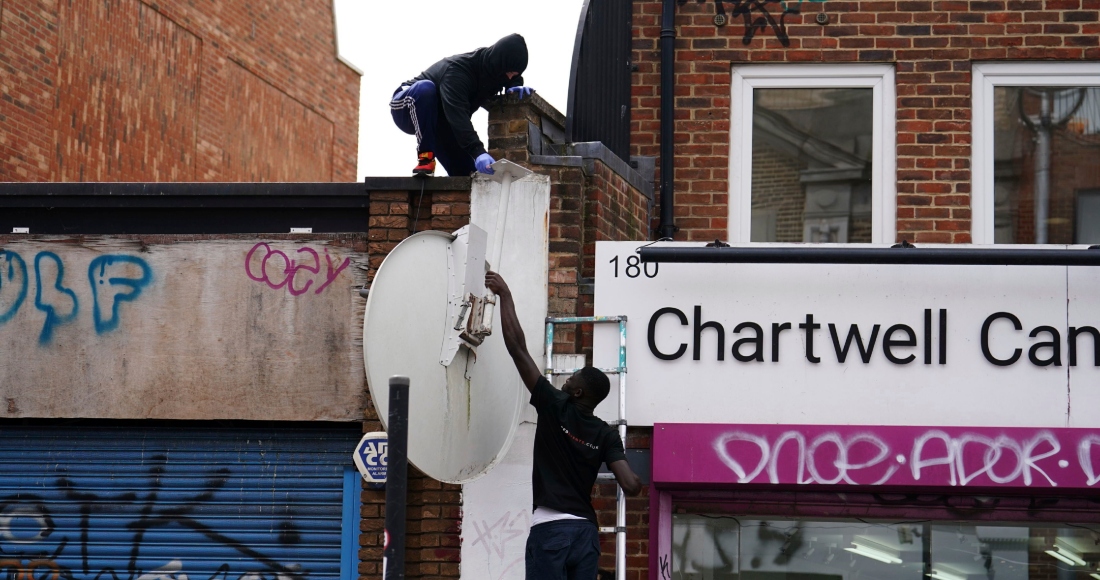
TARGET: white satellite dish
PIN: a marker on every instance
(423, 320)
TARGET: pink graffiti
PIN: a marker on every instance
(876, 456)
(290, 269)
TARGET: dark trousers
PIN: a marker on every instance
(563, 550)
(415, 110)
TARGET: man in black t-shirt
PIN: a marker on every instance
(570, 445)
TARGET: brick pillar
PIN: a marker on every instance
(594, 196)
(590, 201)
(398, 207)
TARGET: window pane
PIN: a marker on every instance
(1046, 173)
(708, 547)
(811, 165)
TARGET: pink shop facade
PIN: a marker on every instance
(858, 422)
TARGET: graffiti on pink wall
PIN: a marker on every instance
(894, 456)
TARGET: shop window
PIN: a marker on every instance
(812, 154)
(1036, 153)
(718, 547)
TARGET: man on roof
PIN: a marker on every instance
(570, 445)
(436, 106)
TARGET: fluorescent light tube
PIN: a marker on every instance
(941, 575)
(1068, 558)
(1095, 575)
(1060, 546)
(873, 554)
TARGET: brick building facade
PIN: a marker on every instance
(767, 135)
(190, 107)
(126, 90)
(931, 47)
(899, 160)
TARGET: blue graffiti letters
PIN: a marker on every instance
(13, 284)
(115, 279)
(58, 302)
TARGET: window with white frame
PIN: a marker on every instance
(1036, 153)
(812, 154)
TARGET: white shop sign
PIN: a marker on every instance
(852, 344)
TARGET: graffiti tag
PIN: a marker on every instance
(277, 270)
(28, 534)
(113, 279)
(864, 458)
(758, 16)
(496, 536)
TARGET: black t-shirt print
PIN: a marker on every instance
(569, 448)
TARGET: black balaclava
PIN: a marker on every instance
(508, 54)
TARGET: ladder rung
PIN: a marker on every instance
(609, 370)
(584, 319)
(613, 530)
(607, 475)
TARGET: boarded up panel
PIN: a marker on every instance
(216, 329)
(270, 136)
(127, 94)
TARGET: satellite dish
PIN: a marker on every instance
(464, 404)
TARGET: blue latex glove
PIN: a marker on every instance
(521, 91)
(484, 163)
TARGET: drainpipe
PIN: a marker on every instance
(668, 65)
(1042, 168)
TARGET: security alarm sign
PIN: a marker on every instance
(852, 344)
(371, 458)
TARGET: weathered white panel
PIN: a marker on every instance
(524, 258)
(496, 514)
(496, 508)
(211, 329)
(1018, 378)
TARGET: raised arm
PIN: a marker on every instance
(513, 332)
(628, 480)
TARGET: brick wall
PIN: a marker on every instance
(433, 524)
(127, 90)
(931, 43)
(434, 516)
(588, 203)
(637, 517)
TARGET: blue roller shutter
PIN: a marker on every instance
(181, 501)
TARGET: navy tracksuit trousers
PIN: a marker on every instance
(415, 109)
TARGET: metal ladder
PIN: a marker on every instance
(620, 499)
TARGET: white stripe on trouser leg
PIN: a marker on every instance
(416, 124)
(410, 104)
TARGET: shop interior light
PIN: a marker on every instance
(1067, 556)
(942, 575)
(1095, 575)
(873, 553)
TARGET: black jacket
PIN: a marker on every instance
(466, 81)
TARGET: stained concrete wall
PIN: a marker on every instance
(203, 329)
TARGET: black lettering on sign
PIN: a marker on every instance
(635, 267)
(853, 333)
(889, 343)
(985, 338)
(1074, 332)
(651, 335)
(756, 341)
